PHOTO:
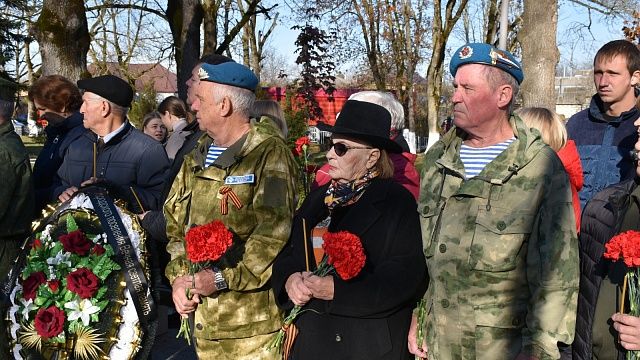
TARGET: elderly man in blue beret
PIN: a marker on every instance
(242, 174)
(498, 226)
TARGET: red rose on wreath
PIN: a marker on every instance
(37, 244)
(83, 282)
(30, 285)
(76, 242)
(49, 322)
(54, 285)
(98, 250)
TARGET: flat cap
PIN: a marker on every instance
(229, 73)
(109, 87)
(479, 53)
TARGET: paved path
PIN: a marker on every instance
(167, 347)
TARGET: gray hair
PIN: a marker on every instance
(387, 101)
(6, 110)
(241, 99)
(496, 77)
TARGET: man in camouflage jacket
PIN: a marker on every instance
(237, 314)
(501, 247)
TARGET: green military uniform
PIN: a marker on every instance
(262, 225)
(16, 205)
(501, 250)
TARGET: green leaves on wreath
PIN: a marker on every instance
(71, 224)
(104, 265)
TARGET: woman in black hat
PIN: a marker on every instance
(368, 316)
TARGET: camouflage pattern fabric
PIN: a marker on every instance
(252, 348)
(261, 228)
(501, 250)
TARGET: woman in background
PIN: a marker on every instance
(152, 125)
(56, 100)
(554, 133)
(175, 118)
(270, 110)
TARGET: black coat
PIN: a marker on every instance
(130, 159)
(601, 220)
(370, 314)
(59, 137)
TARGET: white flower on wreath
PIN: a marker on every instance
(46, 233)
(81, 310)
(60, 258)
(28, 306)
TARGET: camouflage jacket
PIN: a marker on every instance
(501, 251)
(261, 227)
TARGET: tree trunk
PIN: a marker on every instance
(185, 17)
(539, 53)
(210, 8)
(63, 37)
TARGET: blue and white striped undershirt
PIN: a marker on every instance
(213, 153)
(475, 159)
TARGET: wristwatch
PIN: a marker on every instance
(221, 283)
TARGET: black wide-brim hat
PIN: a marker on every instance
(365, 121)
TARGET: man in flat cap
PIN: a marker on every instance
(498, 226)
(242, 174)
(16, 198)
(128, 163)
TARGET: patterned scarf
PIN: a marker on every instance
(343, 194)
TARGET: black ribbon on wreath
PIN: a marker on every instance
(125, 253)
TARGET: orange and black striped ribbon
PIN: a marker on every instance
(291, 332)
(227, 193)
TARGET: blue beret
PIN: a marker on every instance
(229, 73)
(479, 53)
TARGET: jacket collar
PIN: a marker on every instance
(596, 111)
(116, 138)
(65, 126)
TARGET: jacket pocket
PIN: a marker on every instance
(429, 221)
(498, 238)
(498, 332)
(236, 309)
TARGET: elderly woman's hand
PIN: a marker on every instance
(297, 290)
(321, 287)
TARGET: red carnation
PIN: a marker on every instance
(30, 285)
(54, 285)
(207, 242)
(37, 244)
(625, 246)
(98, 250)
(300, 143)
(49, 322)
(76, 242)
(83, 282)
(345, 253)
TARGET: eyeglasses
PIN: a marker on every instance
(341, 149)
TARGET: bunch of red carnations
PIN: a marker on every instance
(204, 244)
(344, 254)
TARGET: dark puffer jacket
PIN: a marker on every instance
(601, 219)
(130, 160)
(59, 137)
(604, 146)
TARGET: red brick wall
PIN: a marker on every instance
(330, 105)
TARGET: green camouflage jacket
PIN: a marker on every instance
(16, 193)
(261, 227)
(501, 251)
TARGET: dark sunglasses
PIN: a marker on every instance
(341, 149)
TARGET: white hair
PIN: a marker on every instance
(241, 99)
(387, 101)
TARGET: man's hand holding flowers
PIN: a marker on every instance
(320, 286)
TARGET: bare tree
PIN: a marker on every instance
(63, 38)
(185, 17)
(539, 60)
(443, 24)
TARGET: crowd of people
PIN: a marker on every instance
(493, 251)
